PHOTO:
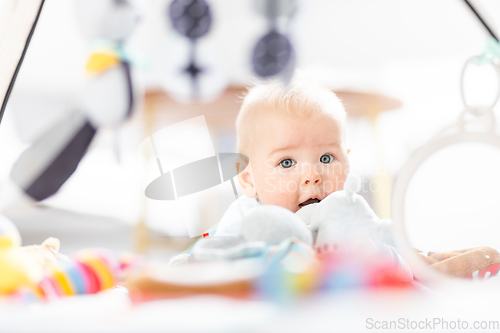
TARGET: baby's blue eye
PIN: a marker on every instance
(326, 159)
(287, 163)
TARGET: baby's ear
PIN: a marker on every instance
(247, 182)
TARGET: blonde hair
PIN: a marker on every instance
(301, 97)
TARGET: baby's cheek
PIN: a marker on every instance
(282, 199)
(269, 185)
(278, 191)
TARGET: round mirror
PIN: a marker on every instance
(446, 202)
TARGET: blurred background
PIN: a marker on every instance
(395, 64)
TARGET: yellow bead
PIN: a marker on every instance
(17, 270)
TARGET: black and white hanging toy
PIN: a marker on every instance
(108, 100)
(192, 19)
(273, 54)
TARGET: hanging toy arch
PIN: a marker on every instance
(17, 36)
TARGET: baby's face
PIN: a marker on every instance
(297, 161)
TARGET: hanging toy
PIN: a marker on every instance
(107, 101)
(273, 54)
(203, 76)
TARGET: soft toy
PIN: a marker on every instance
(47, 255)
(108, 100)
(344, 222)
(264, 225)
(110, 94)
(17, 269)
(477, 263)
(272, 225)
(344, 218)
(41, 272)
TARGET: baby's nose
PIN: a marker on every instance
(316, 180)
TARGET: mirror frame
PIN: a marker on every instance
(453, 135)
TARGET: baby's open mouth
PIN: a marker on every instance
(308, 202)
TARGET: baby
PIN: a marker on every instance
(295, 140)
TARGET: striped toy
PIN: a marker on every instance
(88, 272)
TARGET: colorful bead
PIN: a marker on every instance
(63, 282)
(77, 275)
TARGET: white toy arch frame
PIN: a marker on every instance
(19, 19)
